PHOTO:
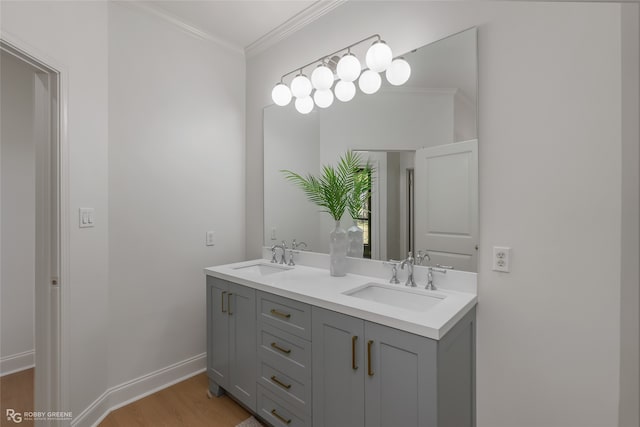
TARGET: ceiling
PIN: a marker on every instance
(239, 23)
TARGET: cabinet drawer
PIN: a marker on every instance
(290, 316)
(285, 352)
(296, 393)
(279, 413)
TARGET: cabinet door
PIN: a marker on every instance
(242, 343)
(400, 382)
(338, 369)
(218, 331)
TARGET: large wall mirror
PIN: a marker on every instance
(422, 140)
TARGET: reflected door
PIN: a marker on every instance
(446, 204)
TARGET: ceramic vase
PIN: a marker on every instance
(355, 238)
(338, 251)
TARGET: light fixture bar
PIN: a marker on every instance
(321, 59)
(335, 76)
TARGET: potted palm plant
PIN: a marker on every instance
(332, 191)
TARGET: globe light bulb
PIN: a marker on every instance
(348, 68)
(345, 91)
(281, 95)
(369, 82)
(379, 56)
(322, 77)
(301, 86)
(398, 72)
(304, 105)
(323, 98)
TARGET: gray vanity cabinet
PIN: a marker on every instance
(231, 340)
(366, 374)
(400, 378)
(338, 365)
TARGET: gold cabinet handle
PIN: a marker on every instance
(277, 347)
(353, 352)
(222, 302)
(369, 371)
(229, 303)
(280, 314)
(280, 417)
(280, 383)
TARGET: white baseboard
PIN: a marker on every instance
(17, 362)
(130, 391)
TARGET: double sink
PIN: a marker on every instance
(407, 298)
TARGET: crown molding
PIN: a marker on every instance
(291, 25)
(187, 28)
(421, 90)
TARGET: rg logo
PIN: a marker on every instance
(14, 416)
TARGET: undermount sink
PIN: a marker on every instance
(263, 269)
(407, 298)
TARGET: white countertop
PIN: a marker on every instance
(316, 287)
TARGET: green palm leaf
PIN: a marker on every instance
(338, 188)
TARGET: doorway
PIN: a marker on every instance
(30, 190)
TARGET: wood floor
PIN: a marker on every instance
(183, 404)
(16, 392)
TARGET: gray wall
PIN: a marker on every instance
(549, 138)
(176, 150)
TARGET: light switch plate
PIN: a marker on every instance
(210, 238)
(86, 217)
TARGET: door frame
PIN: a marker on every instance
(53, 255)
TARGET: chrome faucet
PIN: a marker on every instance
(283, 260)
(394, 270)
(422, 255)
(283, 247)
(430, 286)
(294, 246)
(409, 262)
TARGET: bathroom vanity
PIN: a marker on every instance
(298, 347)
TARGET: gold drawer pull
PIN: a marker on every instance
(369, 371)
(280, 314)
(280, 383)
(280, 417)
(353, 352)
(222, 302)
(277, 347)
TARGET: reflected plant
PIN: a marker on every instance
(337, 188)
(362, 185)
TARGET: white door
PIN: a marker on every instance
(446, 204)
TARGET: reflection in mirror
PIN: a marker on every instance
(422, 140)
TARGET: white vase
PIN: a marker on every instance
(355, 237)
(338, 251)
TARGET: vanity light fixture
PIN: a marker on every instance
(369, 82)
(346, 69)
(345, 91)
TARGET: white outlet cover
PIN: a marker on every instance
(502, 259)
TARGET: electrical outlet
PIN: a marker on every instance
(210, 238)
(501, 259)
